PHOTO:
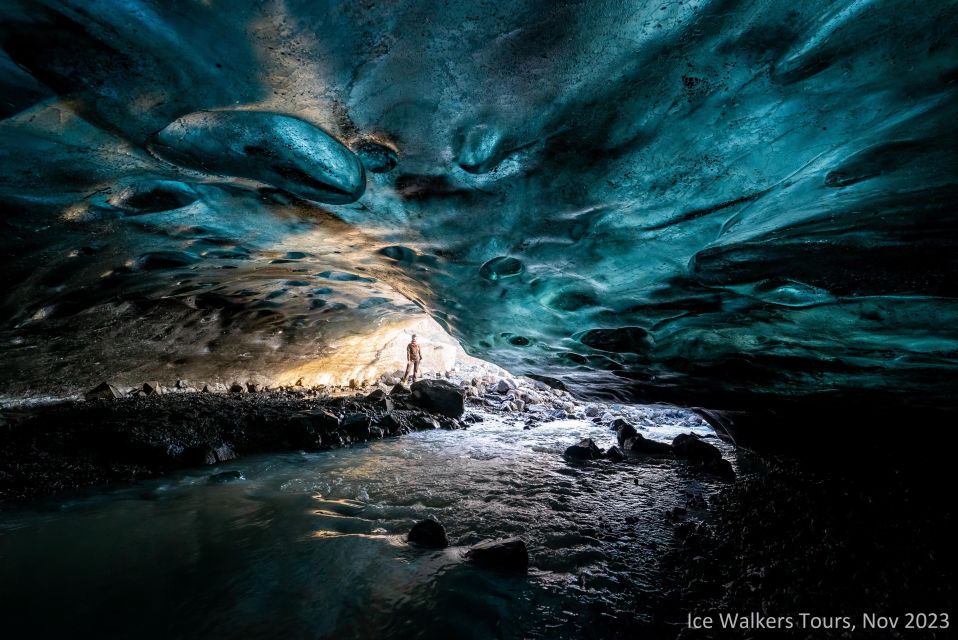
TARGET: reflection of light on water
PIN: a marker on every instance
(340, 534)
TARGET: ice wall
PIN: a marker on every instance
(721, 203)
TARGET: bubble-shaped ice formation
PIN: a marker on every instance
(280, 150)
(737, 205)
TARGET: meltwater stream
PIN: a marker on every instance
(313, 545)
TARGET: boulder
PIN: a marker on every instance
(623, 431)
(356, 425)
(335, 439)
(236, 387)
(323, 421)
(396, 422)
(429, 534)
(207, 389)
(103, 391)
(151, 388)
(399, 389)
(439, 397)
(689, 446)
(450, 424)
(298, 431)
(380, 401)
(422, 422)
(586, 449)
(252, 387)
(509, 554)
(592, 411)
(721, 468)
(615, 454)
(640, 444)
(210, 454)
(225, 476)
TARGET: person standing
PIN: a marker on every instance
(413, 358)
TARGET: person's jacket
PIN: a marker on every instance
(412, 352)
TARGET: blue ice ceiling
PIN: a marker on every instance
(716, 203)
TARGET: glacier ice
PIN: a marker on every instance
(719, 203)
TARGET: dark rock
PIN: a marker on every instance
(380, 401)
(586, 449)
(399, 389)
(396, 422)
(356, 425)
(721, 468)
(103, 391)
(151, 388)
(335, 439)
(509, 554)
(615, 454)
(640, 444)
(300, 431)
(252, 387)
(236, 387)
(690, 447)
(209, 454)
(676, 513)
(439, 397)
(225, 476)
(623, 431)
(323, 421)
(207, 389)
(450, 424)
(422, 422)
(428, 533)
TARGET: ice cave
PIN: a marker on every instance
(683, 274)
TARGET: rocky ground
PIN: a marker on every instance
(834, 542)
(103, 440)
(118, 435)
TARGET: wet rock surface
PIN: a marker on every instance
(439, 396)
(429, 534)
(509, 554)
(585, 449)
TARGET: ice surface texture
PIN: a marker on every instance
(721, 203)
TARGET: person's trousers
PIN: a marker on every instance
(414, 365)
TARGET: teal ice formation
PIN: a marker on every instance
(735, 205)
